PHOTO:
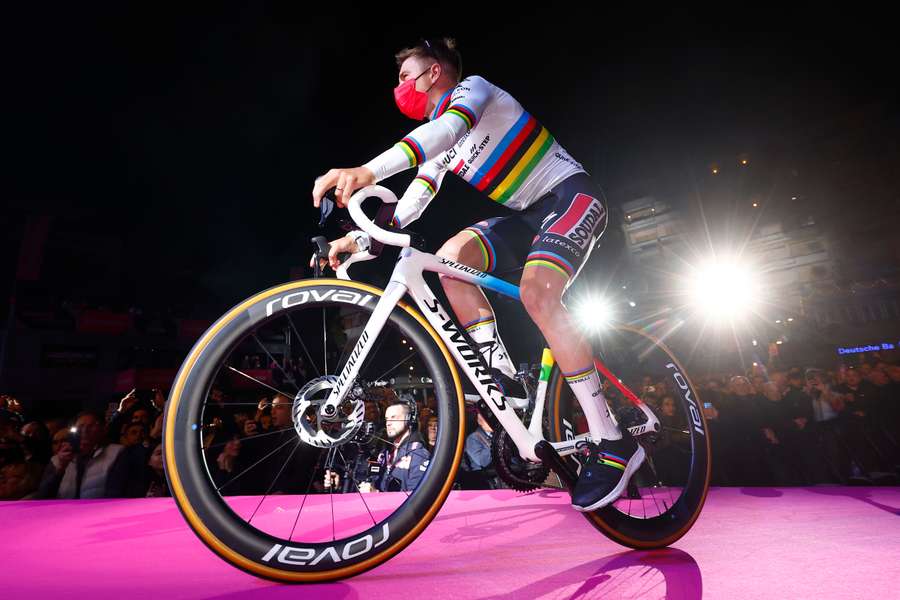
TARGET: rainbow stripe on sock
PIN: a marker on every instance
(578, 375)
(478, 323)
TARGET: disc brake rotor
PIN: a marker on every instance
(319, 432)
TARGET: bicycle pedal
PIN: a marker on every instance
(550, 457)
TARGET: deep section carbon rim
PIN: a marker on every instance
(666, 494)
(258, 494)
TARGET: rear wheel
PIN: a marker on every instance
(666, 494)
(257, 494)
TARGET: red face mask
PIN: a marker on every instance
(411, 101)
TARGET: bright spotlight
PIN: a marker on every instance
(73, 430)
(594, 312)
(724, 288)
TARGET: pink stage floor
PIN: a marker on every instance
(822, 542)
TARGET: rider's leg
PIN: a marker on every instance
(541, 291)
(468, 301)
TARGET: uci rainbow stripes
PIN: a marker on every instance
(576, 376)
(513, 160)
(611, 460)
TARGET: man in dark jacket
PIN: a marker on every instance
(406, 460)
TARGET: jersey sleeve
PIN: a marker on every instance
(467, 104)
(419, 193)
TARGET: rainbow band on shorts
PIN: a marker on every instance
(551, 260)
(487, 249)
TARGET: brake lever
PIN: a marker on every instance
(321, 253)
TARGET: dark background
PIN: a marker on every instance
(174, 150)
(190, 140)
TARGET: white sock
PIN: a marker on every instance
(484, 330)
(585, 384)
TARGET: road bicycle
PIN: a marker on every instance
(267, 511)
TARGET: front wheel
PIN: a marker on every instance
(666, 494)
(281, 493)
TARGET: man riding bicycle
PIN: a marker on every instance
(482, 134)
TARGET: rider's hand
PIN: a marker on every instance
(343, 244)
(347, 181)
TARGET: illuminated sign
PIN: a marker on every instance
(867, 348)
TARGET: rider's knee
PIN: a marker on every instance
(541, 302)
(462, 249)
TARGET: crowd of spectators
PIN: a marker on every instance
(91, 456)
(803, 426)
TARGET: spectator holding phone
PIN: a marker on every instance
(86, 467)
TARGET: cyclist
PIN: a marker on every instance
(482, 134)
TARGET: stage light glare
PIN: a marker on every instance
(594, 312)
(724, 288)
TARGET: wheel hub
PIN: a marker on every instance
(323, 428)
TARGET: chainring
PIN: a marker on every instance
(518, 473)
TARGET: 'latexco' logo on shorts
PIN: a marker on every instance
(580, 221)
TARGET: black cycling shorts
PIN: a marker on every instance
(558, 231)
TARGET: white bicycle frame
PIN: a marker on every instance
(407, 279)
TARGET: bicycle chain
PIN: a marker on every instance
(516, 472)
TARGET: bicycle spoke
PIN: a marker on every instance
(262, 383)
(271, 358)
(361, 495)
(302, 345)
(325, 339)
(328, 469)
(249, 437)
(233, 479)
(382, 376)
(274, 481)
(339, 365)
(305, 496)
